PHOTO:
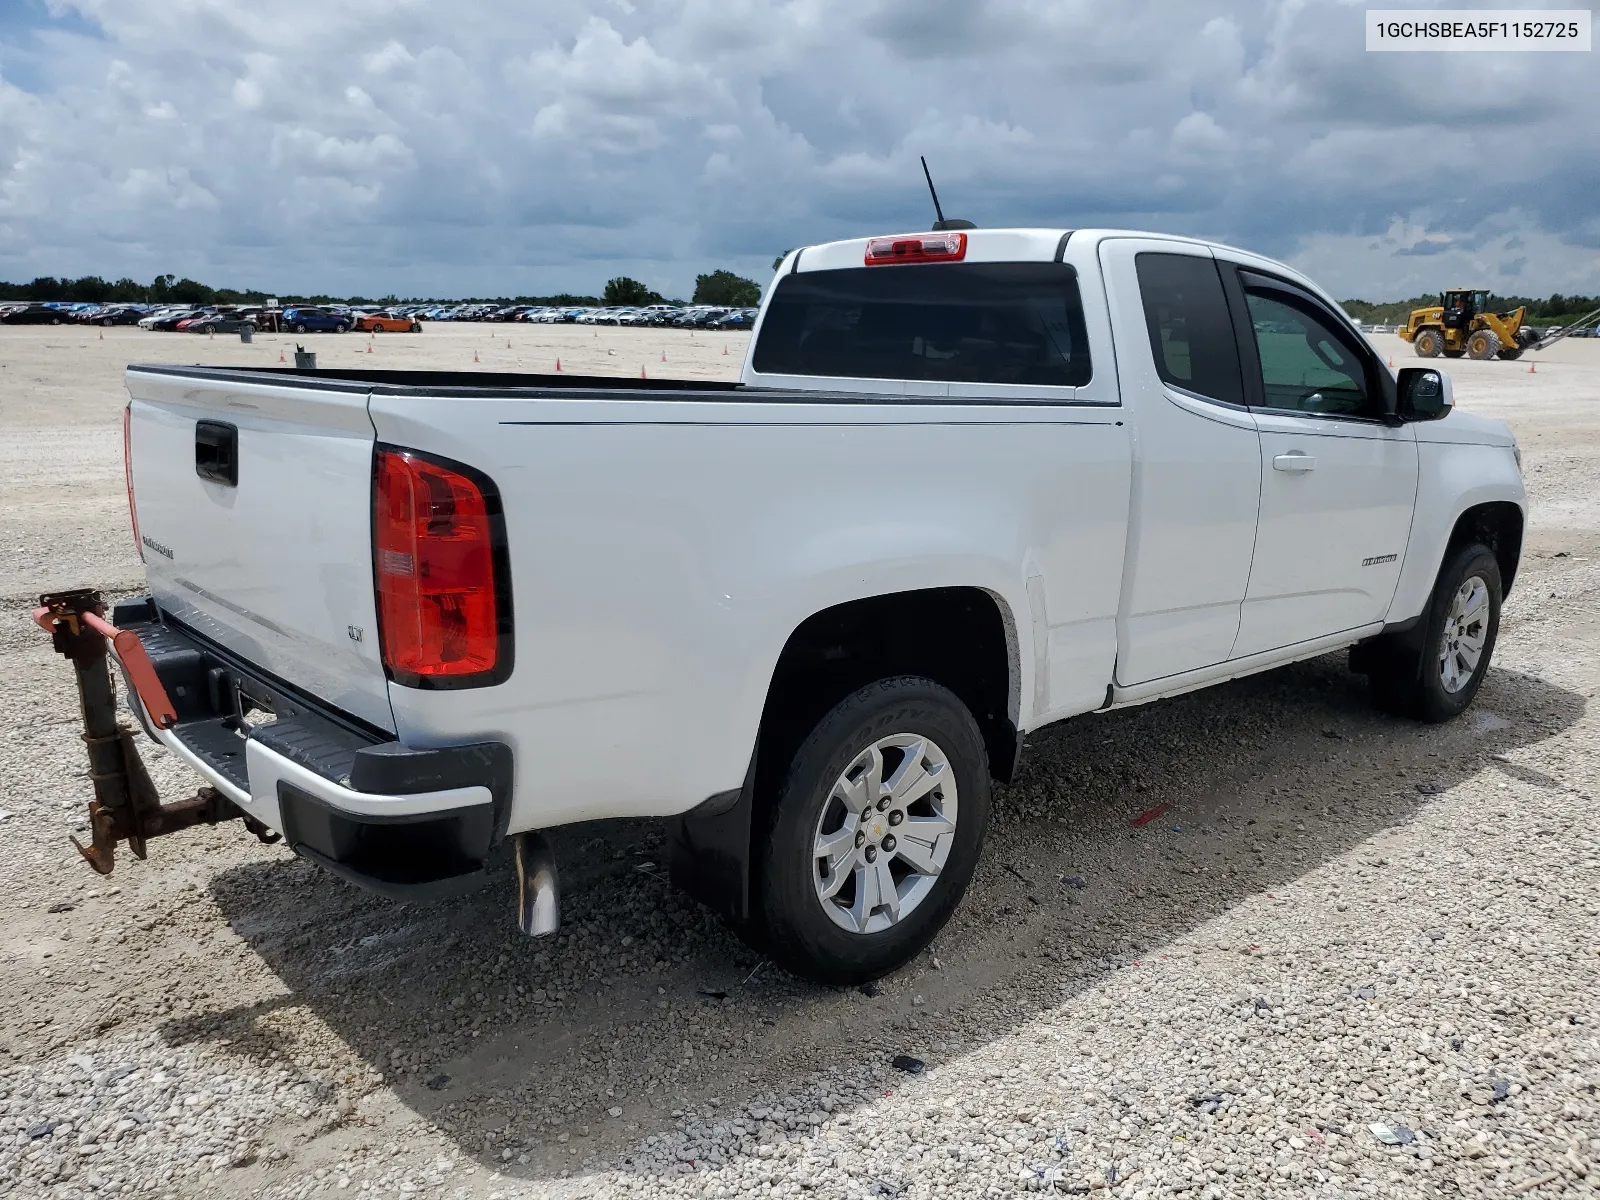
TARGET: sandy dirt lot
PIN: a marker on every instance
(1355, 957)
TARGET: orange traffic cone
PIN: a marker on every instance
(558, 364)
(281, 357)
(642, 375)
(663, 356)
(724, 349)
(1531, 370)
(1391, 364)
(508, 345)
(369, 347)
(102, 335)
(474, 356)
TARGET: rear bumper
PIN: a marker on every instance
(408, 823)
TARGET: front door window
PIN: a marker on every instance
(1307, 366)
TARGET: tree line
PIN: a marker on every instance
(717, 287)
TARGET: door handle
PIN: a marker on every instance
(1294, 461)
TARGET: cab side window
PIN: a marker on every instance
(1191, 335)
(1308, 365)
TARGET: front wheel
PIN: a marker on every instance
(1434, 672)
(876, 831)
(299, 328)
(1428, 344)
(339, 328)
(1483, 345)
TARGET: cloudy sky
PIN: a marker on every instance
(501, 147)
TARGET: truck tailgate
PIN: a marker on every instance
(275, 566)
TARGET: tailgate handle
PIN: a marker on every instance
(216, 452)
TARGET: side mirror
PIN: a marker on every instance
(1423, 394)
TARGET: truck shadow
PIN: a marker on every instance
(645, 1005)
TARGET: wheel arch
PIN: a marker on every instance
(1498, 524)
(964, 638)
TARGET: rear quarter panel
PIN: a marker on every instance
(663, 550)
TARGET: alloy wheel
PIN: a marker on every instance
(1465, 632)
(885, 833)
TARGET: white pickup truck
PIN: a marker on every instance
(970, 483)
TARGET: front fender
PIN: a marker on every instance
(1453, 478)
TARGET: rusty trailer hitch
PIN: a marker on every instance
(126, 806)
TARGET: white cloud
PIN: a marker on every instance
(376, 145)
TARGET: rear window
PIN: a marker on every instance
(956, 322)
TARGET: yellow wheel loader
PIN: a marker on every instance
(1463, 324)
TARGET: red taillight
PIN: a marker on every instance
(127, 475)
(443, 617)
(916, 247)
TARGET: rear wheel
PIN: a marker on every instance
(1483, 344)
(875, 832)
(379, 327)
(1428, 343)
(1433, 672)
(107, 322)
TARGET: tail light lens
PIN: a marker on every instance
(443, 583)
(915, 248)
(127, 475)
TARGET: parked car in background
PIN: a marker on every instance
(231, 322)
(387, 323)
(739, 318)
(117, 316)
(306, 319)
(172, 320)
(36, 314)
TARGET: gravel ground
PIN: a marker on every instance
(1352, 957)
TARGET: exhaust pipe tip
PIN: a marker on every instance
(538, 894)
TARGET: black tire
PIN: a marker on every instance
(377, 328)
(1511, 353)
(1483, 345)
(1428, 343)
(107, 322)
(248, 328)
(1405, 672)
(299, 328)
(339, 328)
(55, 320)
(208, 329)
(1449, 353)
(797, 931)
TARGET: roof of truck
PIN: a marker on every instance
(1028, 245)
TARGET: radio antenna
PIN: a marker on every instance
(940, 224)
(928, 175)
